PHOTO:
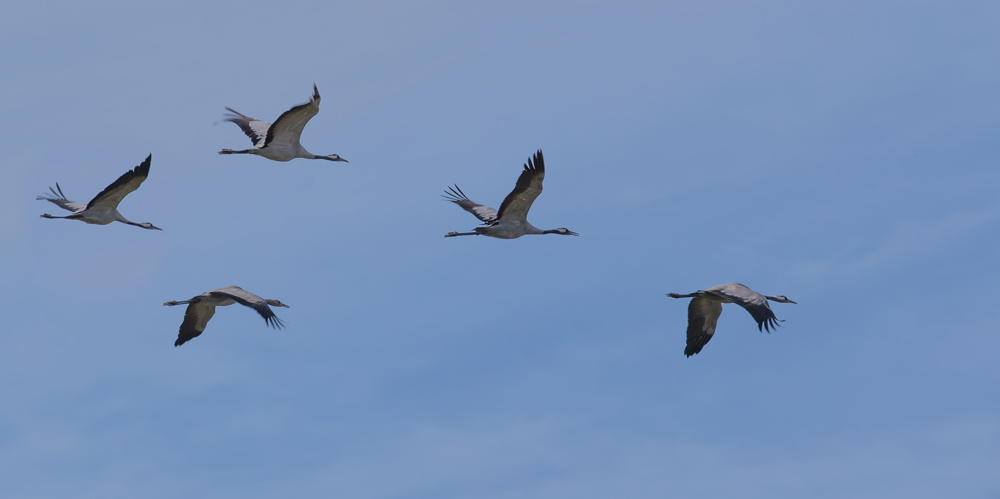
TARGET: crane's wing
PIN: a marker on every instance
(529, 185)
(251, 300)
(287, 129)
(703, 315)
(128, 182)
(484, 213)
(59, 199)
(254, 128)
(752, 301)
(196, 317)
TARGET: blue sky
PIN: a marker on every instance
(843, 154)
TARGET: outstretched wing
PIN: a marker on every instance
(287, 129)
(251, 300)
(752, 301)
(59, 199)
(196, 317)
(703, 315)
(254, 128)
(483, 213)
(529, 185)
(128, 182)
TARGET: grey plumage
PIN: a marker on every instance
(59, 199)
(279, 141)
(483, 213)
(706, 306)
(201, 308)
(103, 208)
(511, 220)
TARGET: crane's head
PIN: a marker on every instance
(562, 230)
(147, 225)
(780, 299)
(276, 303)
(332, 157)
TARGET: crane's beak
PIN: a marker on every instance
(573, 233)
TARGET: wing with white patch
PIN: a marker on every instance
(484, 213)
(59, 199)
(253, 128)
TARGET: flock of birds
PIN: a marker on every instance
(279, 141)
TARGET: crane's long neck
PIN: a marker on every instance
(331, 157)
(531, 229)
(144, 225)
(120, 218)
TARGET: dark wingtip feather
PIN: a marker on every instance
(454, 194)
(274, 322)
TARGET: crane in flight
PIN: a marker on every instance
(279, 141)
(103, 209)
(706, 306)
(511, 220)
(201, 308)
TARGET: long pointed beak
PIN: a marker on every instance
(573, 233)
(790, 301)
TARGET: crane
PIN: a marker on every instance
(103, 209)
(201, 308)
(511, 220)
(279, 141)
(706, 306)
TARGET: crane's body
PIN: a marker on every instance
(279, 141)
(201, 308)
(511, 220)
(103, 209)
(509, 230)
(706, 306)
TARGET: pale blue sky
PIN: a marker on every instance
(844, 155)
